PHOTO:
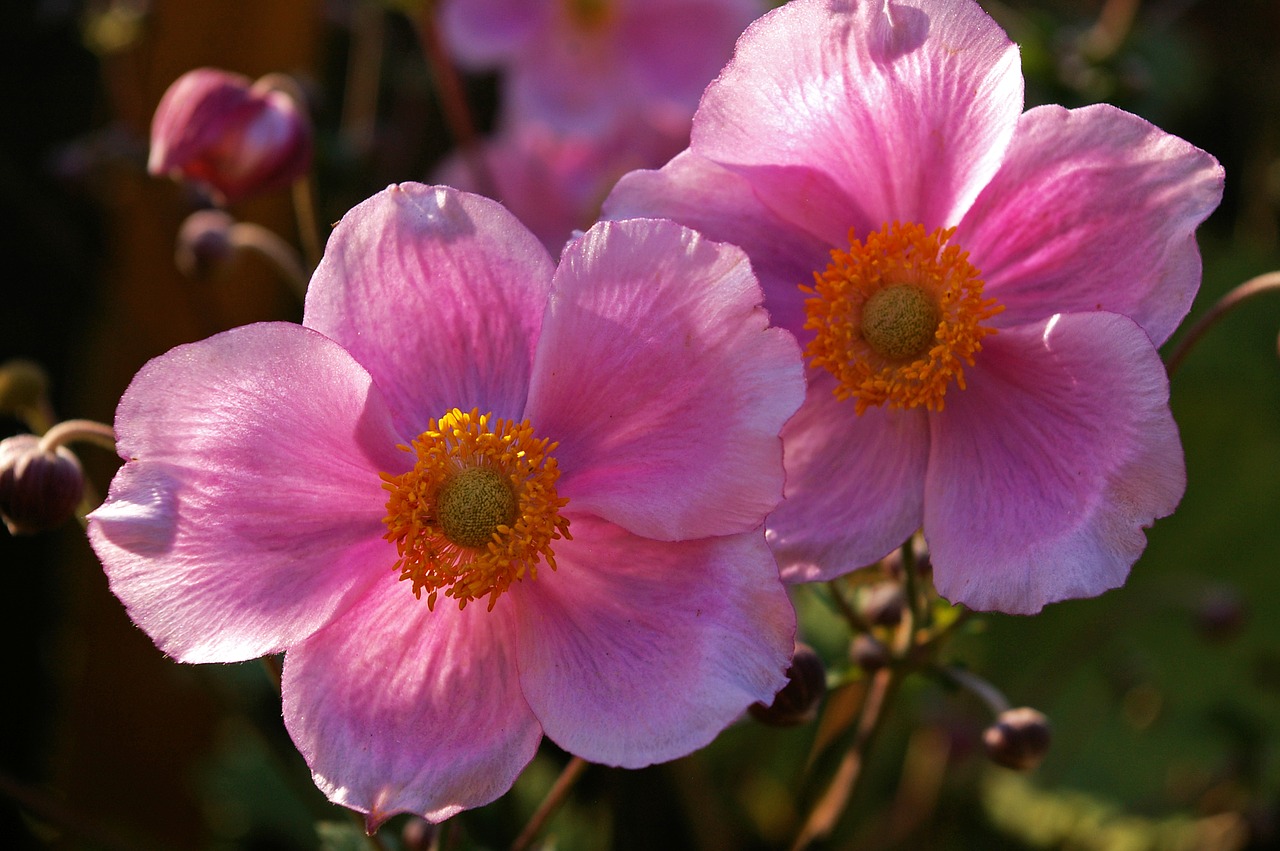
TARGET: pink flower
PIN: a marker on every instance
(555, 183)
(586, 66)
(980, 291)
(232, 137)
(568, 467)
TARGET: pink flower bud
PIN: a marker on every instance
(39, 489)
(232, 137)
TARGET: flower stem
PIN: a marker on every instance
(555, 797)
(79, 431)
(453, 102)
(274, 250)
(978, 687)
(304, 210)
(1260, 284)
(824, 815)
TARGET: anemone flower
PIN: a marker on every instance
(474, 498)
(980, 292)
(588, 66)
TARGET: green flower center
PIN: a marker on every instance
(473, 504)
(900, 322)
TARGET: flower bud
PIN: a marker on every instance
(1019, 739)
(868, 653)
(39, 489)
(797, 701)
(882, 603)
(205, 246)
(232, 137)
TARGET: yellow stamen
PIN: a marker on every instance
(897, 317)
(478, 510)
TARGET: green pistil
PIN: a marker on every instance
(900, 322)
(472, 504)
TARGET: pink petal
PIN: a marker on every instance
(906, 107)
(483, 33)
(635, 651)
(439, 294)
(674, 48)
(1093, 209)
(697, 193)
(397, 708)
(662, 381)
(248, 512)
(854, 485)
(1047, 468)
(570, 83)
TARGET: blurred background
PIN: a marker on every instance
(1164, 695)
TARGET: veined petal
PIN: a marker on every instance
(248, 512)
(854, 485)
(398, 708)
(906, 106)
(439, 294)
(659, 376)
(1093, 209)
(637, 651)
(1047, 468)
(718, 203)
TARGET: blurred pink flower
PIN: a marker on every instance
(585, 454)
(555, 183)
(591, 66)
(232, 137)
(983, 293)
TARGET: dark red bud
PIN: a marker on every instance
(797, 701)
(234, 137)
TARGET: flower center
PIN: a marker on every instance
(478, 510)
(897, 317)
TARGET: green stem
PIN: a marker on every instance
(1254, 286)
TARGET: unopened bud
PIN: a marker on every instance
(1019, 738)
(797, 701)
(39, 489)
(204, 244)
(881, 604)
(869, 653)
(234, 137)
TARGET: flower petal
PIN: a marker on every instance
(697, 193)
(483, 33)
(1047, 468)
(636, 651)
(1093, 209)
(439, 294)
(907, 107)
(659, 376)
(249, 509)
(854, 485)
(397, 708)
